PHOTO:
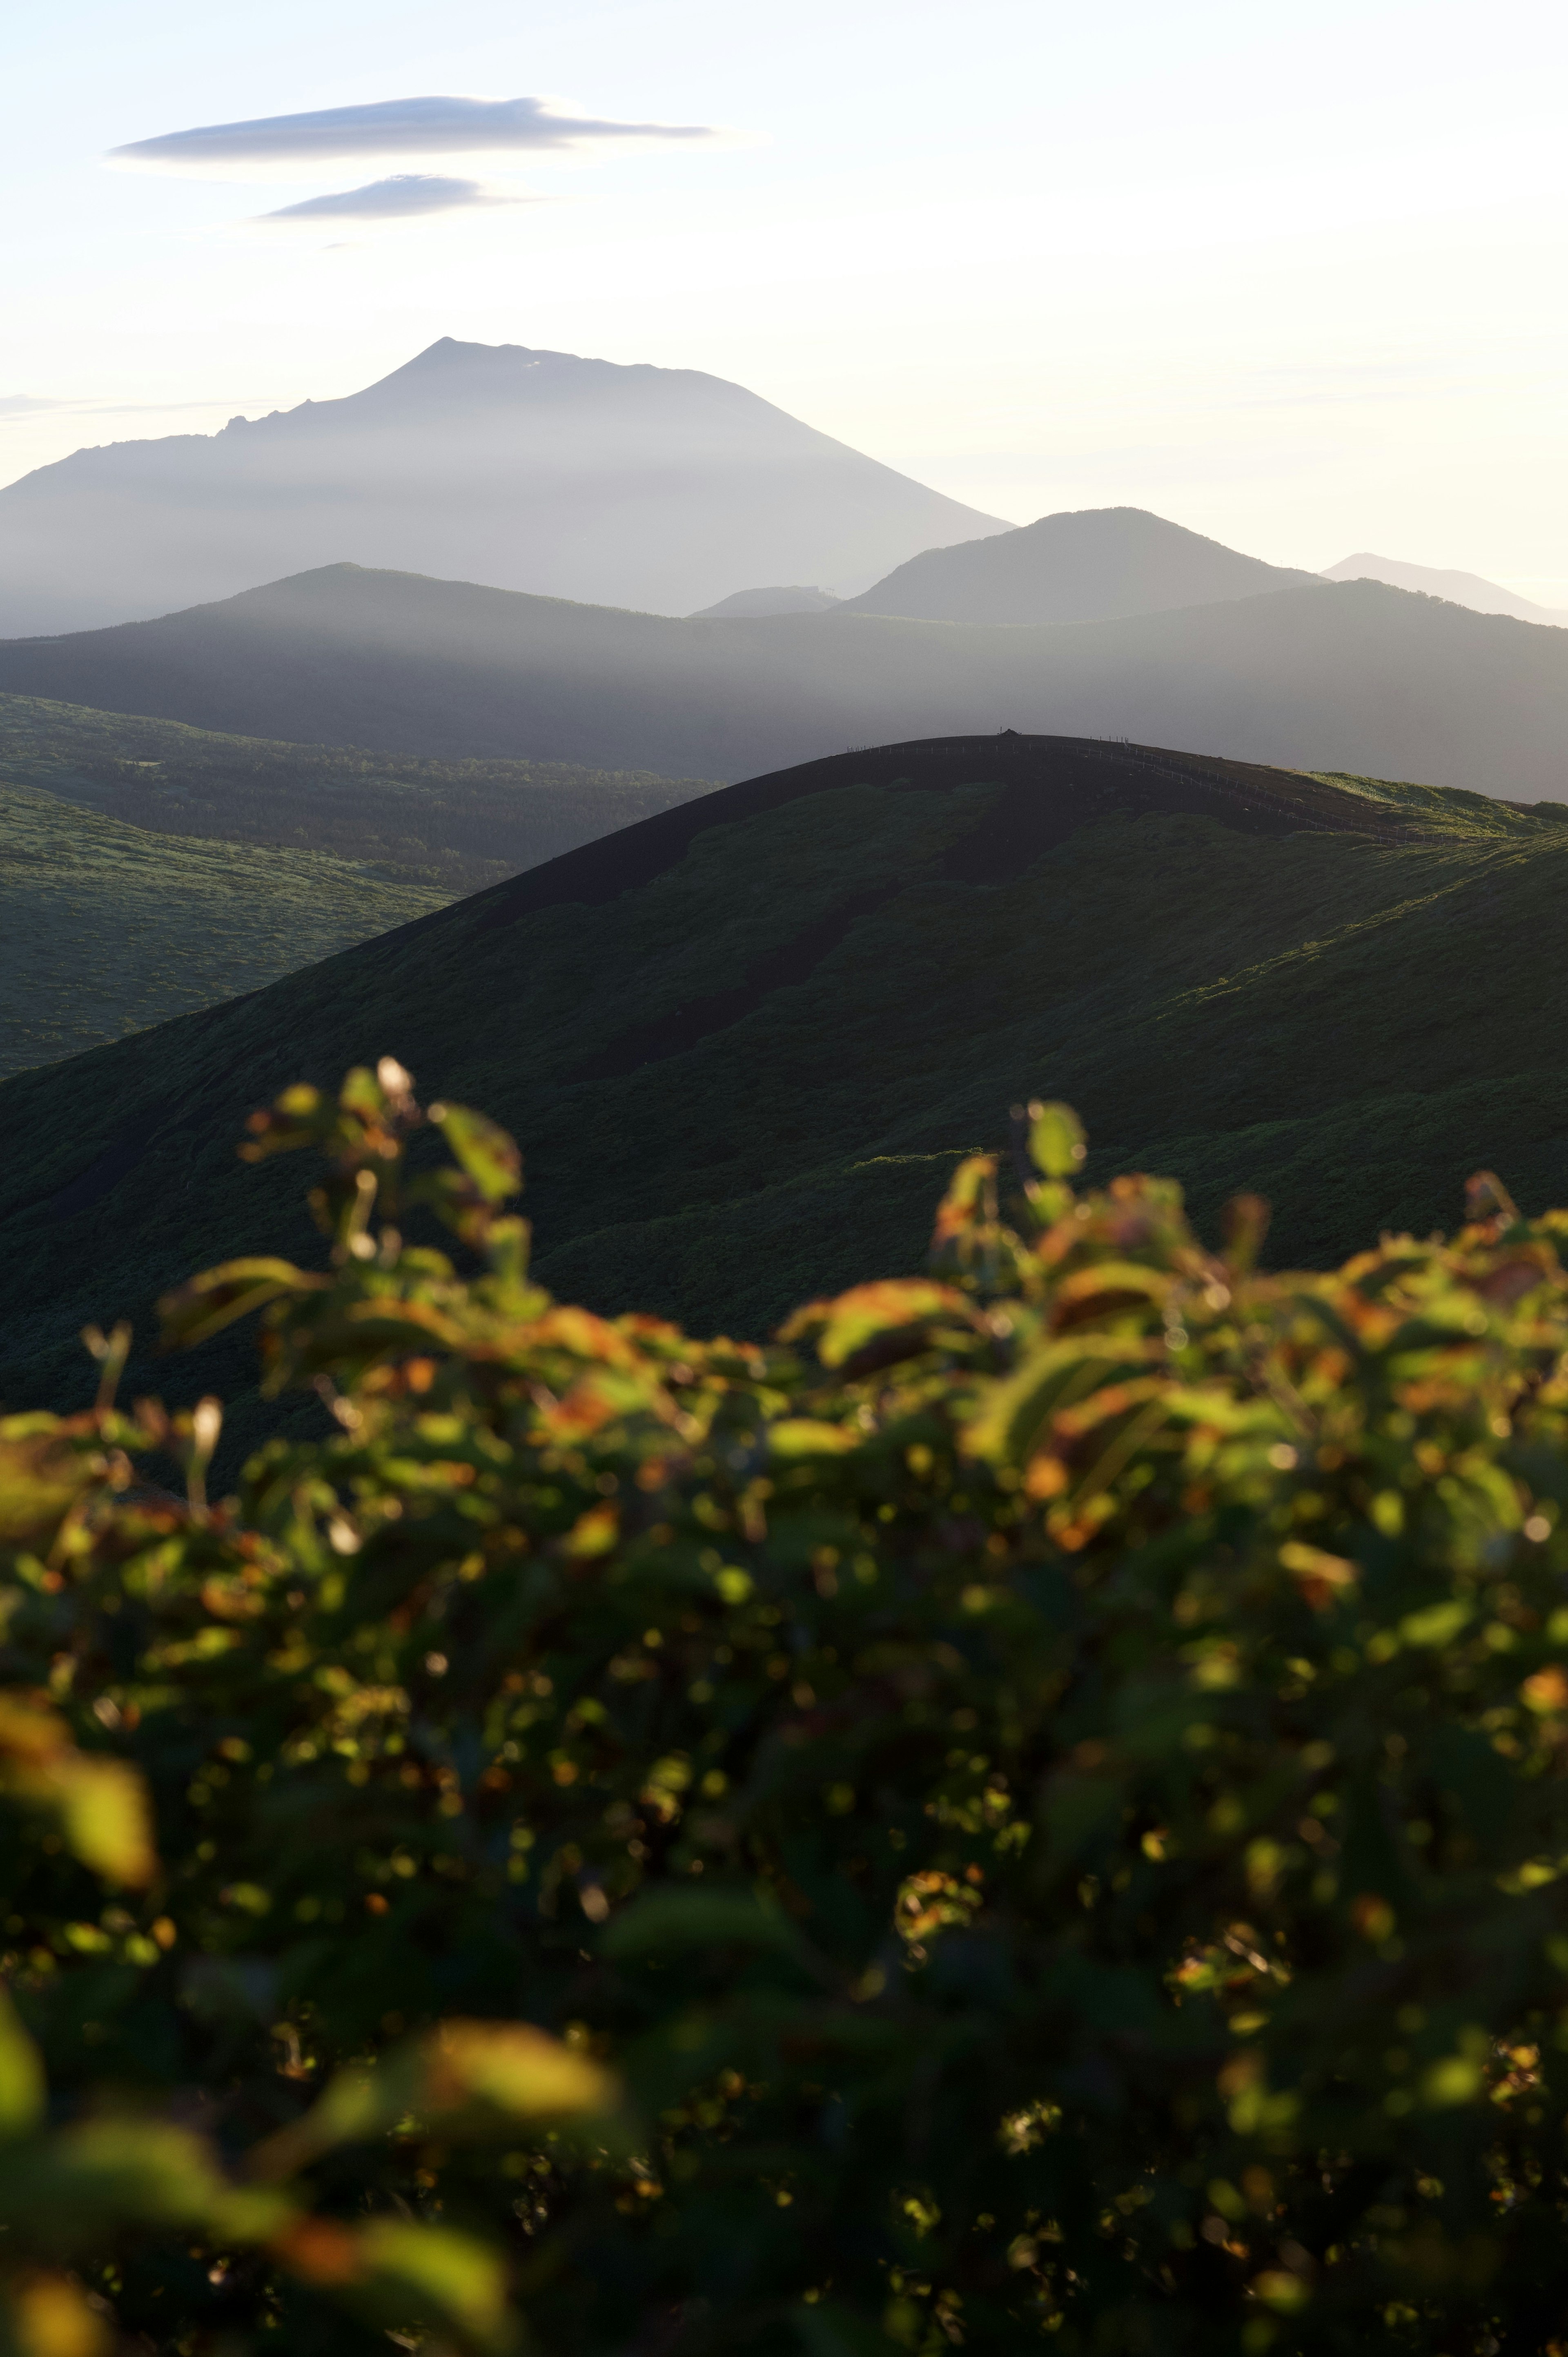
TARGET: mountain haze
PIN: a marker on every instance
(1348, 676)
(657, 489)
(1459, 589)
(1091, 564)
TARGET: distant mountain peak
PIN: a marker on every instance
(605, 482)
(762, 605)
(1458, 589)
(1083, 564)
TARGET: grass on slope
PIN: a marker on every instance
(106, 928)
(449, 826)
(741, 1077)
(1450, 811)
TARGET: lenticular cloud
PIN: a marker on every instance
(396, 126)
(405, 194)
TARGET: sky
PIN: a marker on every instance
(1291, 277)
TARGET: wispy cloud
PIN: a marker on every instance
(24, 405)
(405, 194)
(396, 126)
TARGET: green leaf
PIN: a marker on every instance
(486, 1152)
(1057, 1145)
(894, 1307)
(428, 2275)
(88, 2182)
(104, 1812)
(207, 1303)
(100, 1805)
(463, 2078)
(22, 2090)
(806, 1436)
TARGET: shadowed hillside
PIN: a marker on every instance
(743, 1041)
(1323, 676)
(442, 826)
(655, 488)
(1095, 564)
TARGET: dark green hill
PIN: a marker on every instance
(1342, 675)
(442, 826)
(743, 1041)
(1091, 565)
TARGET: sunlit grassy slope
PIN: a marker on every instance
(446, 826)
(106, 928)
(743, 1043)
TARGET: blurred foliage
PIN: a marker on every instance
(1033, 1806)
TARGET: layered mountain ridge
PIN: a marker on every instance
(1317, 675)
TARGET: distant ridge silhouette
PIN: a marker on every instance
(1458, 589)
(1320, 675)
(1086, 564)
(760, 605)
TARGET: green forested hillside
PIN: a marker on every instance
(743, 1042)
(444, 827)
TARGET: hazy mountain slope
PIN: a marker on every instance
(743, 1041)
(1459, 589)
(106, 928)
(450, 826)
(1093, 564)
(643, 487)
(757, 605)
(1351, 676)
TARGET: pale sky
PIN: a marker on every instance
(1291, 277)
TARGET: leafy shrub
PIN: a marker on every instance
(1033, 1806)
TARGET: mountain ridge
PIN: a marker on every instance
(762, 605)
(1082, 565)
(1352, 677)
(1459, 589)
